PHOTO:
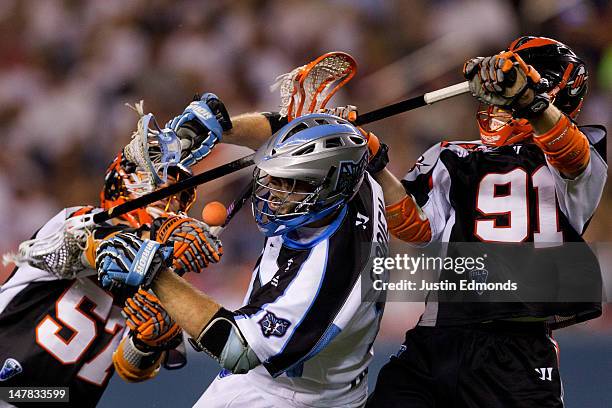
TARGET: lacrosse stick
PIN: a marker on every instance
(312, 85)
(70, 236)
(428, 98)
(228, 168)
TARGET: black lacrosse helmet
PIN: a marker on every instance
(560, 66)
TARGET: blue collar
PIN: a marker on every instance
(329, 230)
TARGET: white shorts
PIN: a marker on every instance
(244, 390)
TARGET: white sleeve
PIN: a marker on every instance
(579, 197)
(429, 183)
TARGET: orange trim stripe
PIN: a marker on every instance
(536, 42)
(405, 223)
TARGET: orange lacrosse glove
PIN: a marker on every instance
(406, 221)
(134, 365)
(151, 326)
(379, 152)
(194, 245)
(503, 80)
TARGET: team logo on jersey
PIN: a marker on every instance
(479, 276)
(10, 369)
(273, 326)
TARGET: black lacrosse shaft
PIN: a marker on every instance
(391, 110)
(241, 163)
(364, 119)
(172, 189)
(237, 204)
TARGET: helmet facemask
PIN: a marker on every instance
(306, 172)
(123, 183)
(281, 204)
(279, 197)
(499, 128)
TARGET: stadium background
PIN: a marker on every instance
(68, 67)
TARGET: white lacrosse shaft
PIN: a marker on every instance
(446, 93)
(413, 103)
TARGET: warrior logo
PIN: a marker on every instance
(273, 326)
(362, 220)
(578, 82)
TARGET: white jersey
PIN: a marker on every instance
(305, 315)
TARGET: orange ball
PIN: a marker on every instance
(214, 213)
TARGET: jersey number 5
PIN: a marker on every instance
(84, 330)
(514, 204)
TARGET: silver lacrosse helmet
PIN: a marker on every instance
(306, 171)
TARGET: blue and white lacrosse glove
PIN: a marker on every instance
(200, 127)
(125, 260)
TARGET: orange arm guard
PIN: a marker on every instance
(407, 222)
(133, 365)
(565, 146)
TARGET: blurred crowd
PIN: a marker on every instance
(68, 68)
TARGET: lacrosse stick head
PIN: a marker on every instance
(308, 88)
(60, 252)
(124, 182)
(152, 149)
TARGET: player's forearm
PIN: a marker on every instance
(212, 328)
(405, 219)
(191, 308)
(565, 146)
(250, 130)
(393, 190)
(545, 121)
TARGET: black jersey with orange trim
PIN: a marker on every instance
(510, 194)
(58, 332)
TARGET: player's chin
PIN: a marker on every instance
(283, 209)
